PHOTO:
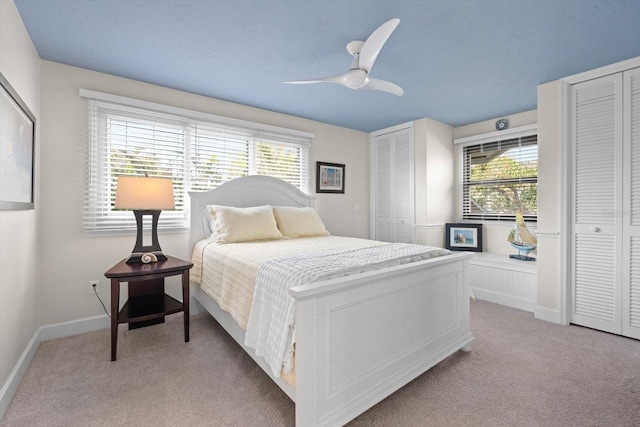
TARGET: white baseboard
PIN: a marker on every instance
(74, 327)
(547, 314)
(504, 299)
(11, 385)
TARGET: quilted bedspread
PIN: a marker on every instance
(227, 273)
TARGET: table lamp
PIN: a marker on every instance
(145, 196)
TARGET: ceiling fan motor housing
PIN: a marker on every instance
(355, 79)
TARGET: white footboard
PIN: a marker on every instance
(360, 338)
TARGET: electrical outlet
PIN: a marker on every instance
(92, 284)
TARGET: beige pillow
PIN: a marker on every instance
(299, 222)
(234, 225)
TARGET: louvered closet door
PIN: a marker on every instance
(631, 210)
(393, 182)
(402, 186)
(383, 209)
(597, 197)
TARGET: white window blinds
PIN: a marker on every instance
(498, 176)
(197, 151)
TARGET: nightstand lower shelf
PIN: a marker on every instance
(148, 307)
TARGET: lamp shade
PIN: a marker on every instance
(144, 193)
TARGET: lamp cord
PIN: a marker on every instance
(100, 299)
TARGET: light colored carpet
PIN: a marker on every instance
(521, 372)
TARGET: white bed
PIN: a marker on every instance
(414, 316)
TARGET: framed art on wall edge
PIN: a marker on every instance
(329, 178)
(17, 145)
(464, 237)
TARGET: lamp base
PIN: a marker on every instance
(142, 254)
(146, 257)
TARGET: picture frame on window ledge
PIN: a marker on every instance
(329, 178)
(463, 237)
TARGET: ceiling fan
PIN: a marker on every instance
(364, 55)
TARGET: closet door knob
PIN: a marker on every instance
(595, 229)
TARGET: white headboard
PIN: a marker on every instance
(254, 190)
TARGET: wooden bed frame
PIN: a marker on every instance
(358, 338)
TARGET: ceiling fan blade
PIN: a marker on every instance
(353, 79)
(385, 86)
(333, 79)
(374, 43)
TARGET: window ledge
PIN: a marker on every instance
(501, 261)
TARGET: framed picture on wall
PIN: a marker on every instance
(17, 139)
(464, 237)
(329, 178)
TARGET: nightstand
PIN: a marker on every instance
(147, 303)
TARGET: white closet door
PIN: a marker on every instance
(597, 197)
(383, 207)
(392, 178)
(631, 210)
(403, 186)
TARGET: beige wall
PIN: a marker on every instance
(488, 126)
(20, 65)
(495, 234)
(434, 180)
(70, 259)
(550, 165)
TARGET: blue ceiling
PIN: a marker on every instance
(458, 61)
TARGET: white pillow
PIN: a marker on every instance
(299, 222)
(234, 225)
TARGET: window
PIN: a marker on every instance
(197, 151)
(498, 176)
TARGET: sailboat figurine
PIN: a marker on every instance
(522, 239)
